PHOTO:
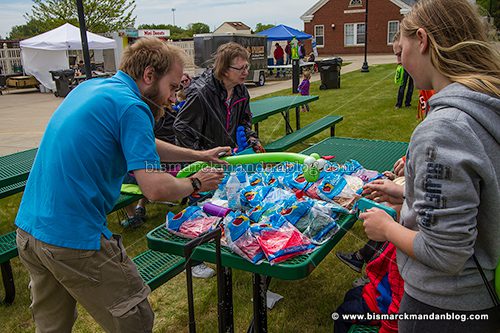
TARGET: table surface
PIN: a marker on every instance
(16, 167)
(289, 66)
(373, 154)
(264, 108)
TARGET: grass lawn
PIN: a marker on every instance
(366, 101)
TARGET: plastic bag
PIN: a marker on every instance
(239, 238)
(253, 196)
(279, 240)
(190, 222)
(340, 189)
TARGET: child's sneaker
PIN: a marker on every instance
(140, 212)
(202, 271)
(361, 281)
(132, 222)
(351, 260)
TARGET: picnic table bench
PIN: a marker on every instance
(155, 268)
(263, 109)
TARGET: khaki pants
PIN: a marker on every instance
(106, 283)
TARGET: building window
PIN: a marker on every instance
(392, 29)
(354, 34)
(355, 3)
(319, 34)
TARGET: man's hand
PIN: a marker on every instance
(214, 155)
(384, 190)
(210, 178)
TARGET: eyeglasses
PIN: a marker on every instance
(242, 68)
(183, 82)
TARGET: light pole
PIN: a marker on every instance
(173, 15)
(83, 36)
(364, 68)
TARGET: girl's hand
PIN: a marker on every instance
(399, 167)
(384, 190)
(376, 223)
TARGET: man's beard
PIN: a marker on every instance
(152, 98)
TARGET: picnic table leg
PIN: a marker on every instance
(332, 130)
(297, 117)
(259, 303)
(8, 283)
(228, 300)
(288, 128)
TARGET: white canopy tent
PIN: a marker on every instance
(48, 51)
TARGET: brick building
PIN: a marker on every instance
(339, 25)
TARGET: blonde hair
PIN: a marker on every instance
(306, 74)
(460, 44)
(226, 53)
(151, 51)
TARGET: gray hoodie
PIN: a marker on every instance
(453, 199)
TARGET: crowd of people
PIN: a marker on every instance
(439, 257)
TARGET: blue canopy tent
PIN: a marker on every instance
(283, 32)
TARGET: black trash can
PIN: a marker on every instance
(64, 81)
(329, 70)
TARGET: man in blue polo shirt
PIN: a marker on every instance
(101, 131)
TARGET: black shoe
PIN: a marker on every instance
(140, 212)
(408, 106)
(351, 260)
(132, 222)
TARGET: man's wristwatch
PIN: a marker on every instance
(196, 183)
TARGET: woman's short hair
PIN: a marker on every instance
(225, 55)
(150, 52)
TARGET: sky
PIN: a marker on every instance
(211, 12)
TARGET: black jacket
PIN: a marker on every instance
(205, 121)
(164, 127)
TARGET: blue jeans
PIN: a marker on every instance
(354, 303)
(279, 62)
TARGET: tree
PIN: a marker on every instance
(198, 28)
(261, 27)
(100, 15)
(30, 29)
(491, 9)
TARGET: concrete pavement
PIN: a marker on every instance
(24, 116)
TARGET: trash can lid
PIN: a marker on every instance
(330, 61)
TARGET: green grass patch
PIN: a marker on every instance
(366, 101)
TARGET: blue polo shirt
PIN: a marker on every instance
(100, 131)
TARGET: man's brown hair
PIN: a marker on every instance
(150, 51)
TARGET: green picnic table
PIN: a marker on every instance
(264, 108)
(16, 167)
(373, 154)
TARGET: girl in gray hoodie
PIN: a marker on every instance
(451, 212)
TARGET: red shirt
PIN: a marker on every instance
(279, 53)
(384, 267)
